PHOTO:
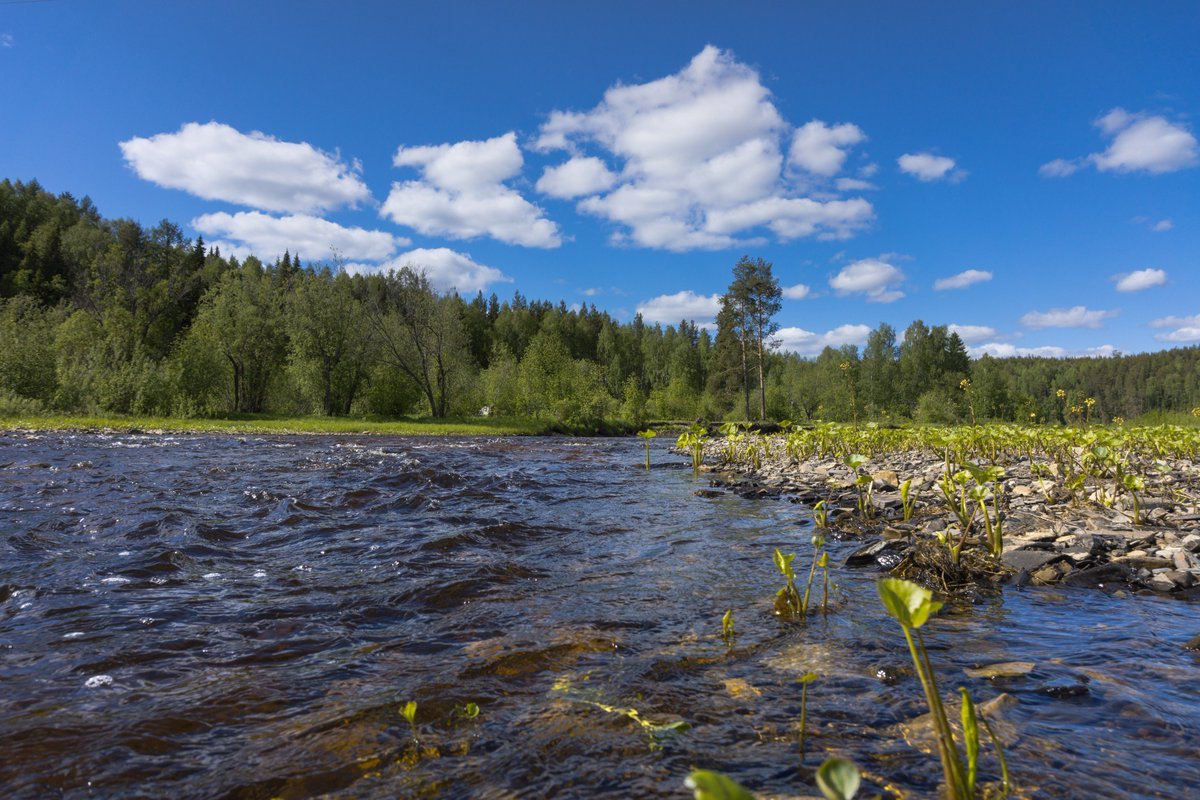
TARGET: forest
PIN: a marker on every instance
(102, 316)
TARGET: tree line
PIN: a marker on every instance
(107, 316)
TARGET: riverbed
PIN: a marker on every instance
(244, 617)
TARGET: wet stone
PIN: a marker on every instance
(1030, 560)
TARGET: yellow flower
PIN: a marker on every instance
(1061, 393)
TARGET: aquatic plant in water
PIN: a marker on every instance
(693, 440)
(912, 605)
(727, 631)
(838, 779)
(409, 712)
(804, 680)
(647, 435)
(787, 599)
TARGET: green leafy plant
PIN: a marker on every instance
(727, 631)
(838, 779)
(708, 785)
(907, 501)
(912, 605)
(787, 599)
(409, 712)
(647, 435)
(804, 680)
(469, 711)
(821, 514)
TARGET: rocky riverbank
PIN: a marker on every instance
(1072, 529)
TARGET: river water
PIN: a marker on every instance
(224, 617)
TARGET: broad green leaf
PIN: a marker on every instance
(807, 677)
(410, 710)
(838, 779)
(909, 603)
(709, 785)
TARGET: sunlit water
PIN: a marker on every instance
(244, 618)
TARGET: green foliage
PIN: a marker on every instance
(838, 779)
(708, 785)
(108, 316)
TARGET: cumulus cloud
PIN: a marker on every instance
(808, 343)
(447, 270)
(576, 178)
(1162, 225)
(699, 163)
(875, 279)
(797, 292)
(972, 333)
(252, 232)
(1187, 329)
(821, 149)
(461, 194)
(216, 162)
(1140, 279)
(962, 280)
(1005, 350)
(670, 309)
(1074, 317)
(6, 40)
(1140, 143)
(928, 167)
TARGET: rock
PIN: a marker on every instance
(1191, 543)
(1064, 691)
(1045, 575)
(1162, 583)
(874, 553)
(934, 525)
(1005, 669)
(891, 674)
(1101, 576)
(1180, 578)
(1143, 561)
(1183, 561)
(886, 479)
(1030, 560)
(707, 493)
(1193, 643)
(1021, 491)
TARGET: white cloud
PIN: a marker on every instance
(1074, 317)
(1005, 350)
(461, 194)
(576, 178)
(670, 309)
(1184, 334)
(972, 333)
(807, 343)
(1187, 329)
(6, 40)
(1140, 279)
(962, 280)
(1140, 143)
(872, 277)
(216, 162)
(446, 269)
(699, 159)
(822, 150)
(1162, 225)
(252, 232)
(797, 292)
(1058, 168)
(928, 167)
(1175, 322)
(854, 185)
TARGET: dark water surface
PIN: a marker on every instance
(244, 618)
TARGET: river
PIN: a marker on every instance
(245, 617)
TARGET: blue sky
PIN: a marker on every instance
(1042, 158)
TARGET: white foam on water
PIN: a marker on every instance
(115, 579)
(96, 681)
(73, 635)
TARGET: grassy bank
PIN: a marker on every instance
(267, 424)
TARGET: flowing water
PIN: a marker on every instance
(211, 616)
